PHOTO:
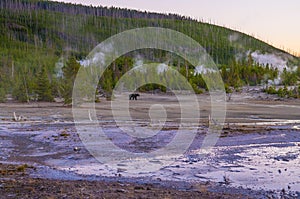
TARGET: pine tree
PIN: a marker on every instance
(107, 83)
(69, 72)
(2, 94)
(43, 87)
(20, 90)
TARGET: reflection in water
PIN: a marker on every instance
(257, 161)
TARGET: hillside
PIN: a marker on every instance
(42, 35)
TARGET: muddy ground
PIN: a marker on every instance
(259, 146)
(15, 183)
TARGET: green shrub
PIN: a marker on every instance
(271, 90)
(2, 95)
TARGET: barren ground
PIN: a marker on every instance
(46, 140)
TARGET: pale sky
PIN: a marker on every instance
(274, 21)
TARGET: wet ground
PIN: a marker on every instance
(257, 155)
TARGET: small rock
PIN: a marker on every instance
(139, 188)
(77, 149)
(121, 191)
(226, 180)
(120, 170)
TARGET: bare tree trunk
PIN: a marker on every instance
(26, 89)
(12, 69)
(187, 70)
(178, 64)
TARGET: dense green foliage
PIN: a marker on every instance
(43, 87)
(284, 92)
(69, 73)
(35, 35)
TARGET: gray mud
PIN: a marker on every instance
(256, 163)
(257, 155)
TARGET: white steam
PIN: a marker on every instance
(161, 68)
(272, 60)
(202, 70)
(138, 64)
(58, 67)
(99, 57)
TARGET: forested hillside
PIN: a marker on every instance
(41, 42)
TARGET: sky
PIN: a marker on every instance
(274, 21)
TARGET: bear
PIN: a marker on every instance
(133, 96)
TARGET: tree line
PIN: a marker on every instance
(35, 35)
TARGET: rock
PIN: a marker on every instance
(121, 191)
(226, 180)
(120, 170)
(77, 149)
(139, 188)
